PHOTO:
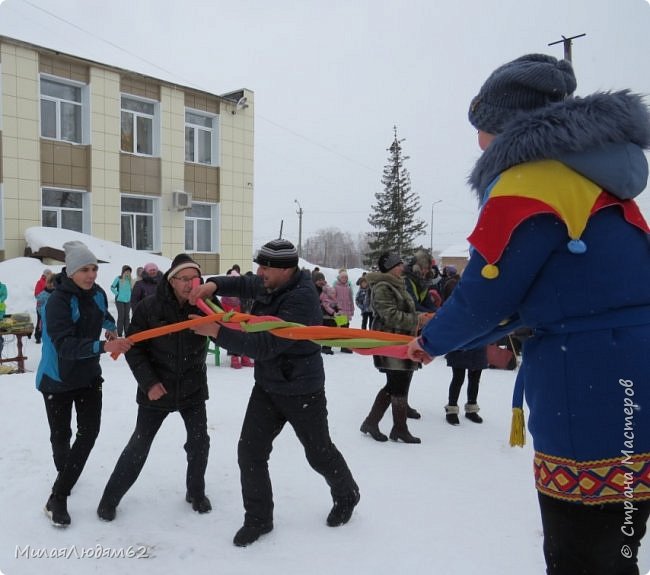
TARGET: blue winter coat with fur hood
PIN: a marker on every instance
(557, 234)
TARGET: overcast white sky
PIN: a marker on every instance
(331, 79)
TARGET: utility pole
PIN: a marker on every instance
(431, 244)
(567, 45)
(299, 212)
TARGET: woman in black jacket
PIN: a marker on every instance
(171, 375)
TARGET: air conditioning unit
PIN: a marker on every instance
(182, 201)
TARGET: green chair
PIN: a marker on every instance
(213, 349)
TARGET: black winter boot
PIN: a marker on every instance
(56, 509)
(342, 509)
(250, 533)
(452, 414)
(400, 429)
(412, 413)
(106, 511)
(471, 412)
(200, 503)
(370, 425)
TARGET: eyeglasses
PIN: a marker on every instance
(186, 279)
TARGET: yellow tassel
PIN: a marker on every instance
(517, 428)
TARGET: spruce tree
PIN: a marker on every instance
(394, 215)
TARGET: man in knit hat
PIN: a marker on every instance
(289, 386)
(171, 376)
(69, 373)
(556, 183)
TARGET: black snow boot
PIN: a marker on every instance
(56, 509)
(200, 503)
(412, 413)
(451, 416)
(342, 509)
(400, 429)
(370, 425)
(471, 412)
(250, 533)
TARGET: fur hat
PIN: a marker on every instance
(77, 255)
(387, 261)
(529, 82)
(277, 254)
(423, 259)
(180, 263)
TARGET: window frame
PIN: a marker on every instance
(84, 210)
(214, 136)
(155, 125)
(214, 228)
(84, 105)
(134, 215)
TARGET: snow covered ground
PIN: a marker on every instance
(461, 502)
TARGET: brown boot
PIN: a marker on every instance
(400, 429)
(371, 424)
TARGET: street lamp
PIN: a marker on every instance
(299, 212)
(431, 245)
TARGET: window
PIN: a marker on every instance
(139, 219)
(201, 228)
(140, 130)
(200, 138)
(66, 209)
(62, 110)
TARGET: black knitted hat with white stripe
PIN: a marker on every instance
(277, 254)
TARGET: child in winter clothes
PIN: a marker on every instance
(362, 300)
(344, 300)
(327, 296)
(229, 303)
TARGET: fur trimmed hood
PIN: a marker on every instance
(601, 136)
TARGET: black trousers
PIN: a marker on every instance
(123, 317)
(366, 320)
(592, 540)
(38, 328)
(70, 460)
(134, 455)
(265, 418)
(457, 379)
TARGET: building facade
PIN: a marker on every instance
(142, 162)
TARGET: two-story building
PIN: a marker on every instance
(143, 162)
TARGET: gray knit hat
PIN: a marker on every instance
(529, 82)
(277, 254)
(77, 255)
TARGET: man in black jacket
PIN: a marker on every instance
(171, 376)
(289, 386)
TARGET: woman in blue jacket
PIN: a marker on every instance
(556, 182)
(69, 372)
(121, 288)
